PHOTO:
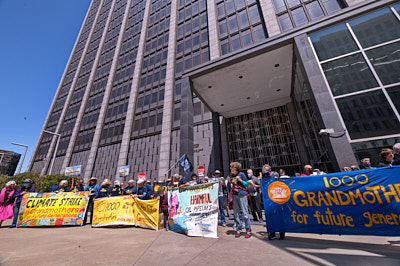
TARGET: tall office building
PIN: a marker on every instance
(8, 162)
(226, 80)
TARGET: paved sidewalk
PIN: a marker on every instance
(128, 246)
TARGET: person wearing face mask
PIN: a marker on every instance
(365, 163)
(255, 196)
(7, 201)
(26, 188)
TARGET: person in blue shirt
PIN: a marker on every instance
(62, 187)
(116, 191)
(93, 188)
(181, 180)
(105, 189)
(78, 186)
(130, 189)
(150, 190)
(240, 203)
(141, 190)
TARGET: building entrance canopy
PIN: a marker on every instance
(247, 84)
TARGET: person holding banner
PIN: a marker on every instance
(181, 180)
(78, 186)
(62, 187)
(130, 189)
(7, 201)
(240, 203)
(142, 190)
(116, 191)
(26, 188)
(105, 189)
(93, 189)
(387, 155)
(150, 190)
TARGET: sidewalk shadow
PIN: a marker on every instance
(334, 252)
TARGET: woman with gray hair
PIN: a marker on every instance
(396, 149)
(62, 187)
(7, 201)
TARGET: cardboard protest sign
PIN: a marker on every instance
(49, 209)
(194, 210)
(125, 210)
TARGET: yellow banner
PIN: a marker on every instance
(48, 209)
(125, 210)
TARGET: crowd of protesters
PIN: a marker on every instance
(240, 191)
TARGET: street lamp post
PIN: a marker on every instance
(55, 151)
(23, 157)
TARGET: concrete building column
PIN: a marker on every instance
(186, 128)
(213, 40)
(217, 151)
(168, 108)
(130, 114)
(89, 84)
(52, 150)
(271, 21)
(106, 97)
(341, 148)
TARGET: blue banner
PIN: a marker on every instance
(186, 164)
(364, 202)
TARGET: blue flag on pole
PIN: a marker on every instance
(185, 163)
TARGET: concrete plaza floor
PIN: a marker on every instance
(137, 246)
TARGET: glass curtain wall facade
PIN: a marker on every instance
(360, 61)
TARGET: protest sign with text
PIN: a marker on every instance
(193, 210)
(364, 202)
(49, 209)
(125, 210)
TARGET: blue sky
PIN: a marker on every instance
(37, 37)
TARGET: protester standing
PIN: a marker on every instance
(130, 189)
(62, 187)
(105, 189)
(116, 190)
(240, 203)
(26, 188)
(78, 186)
(255, 196)
(7, 201)
(387, 155)
(93, 188)
(221, 196)
(141, 190)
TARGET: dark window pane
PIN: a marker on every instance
(299, 16)
(152, 120)
(349, 74)
(254, 14)
(259, 33)
(159, 119)
(229, 7)
(146, 100)
(246, 37)
(386, 61)
(197, 108)
(233, 26)
(225, 47)
(223, 29)
(221, 10)
(144, 123)
(331, 5)
(394, 94)
(177, 114)
(240, 4)
(243, 19)
(161, 95)
(235, 42)
(314, 10)
(154, 97)
(285, 22)
(333, 41)
(279, 5)
(368, 115)
(376, 27)
(178, 89)
(293, 3)
(136, 125)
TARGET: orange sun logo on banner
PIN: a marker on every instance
(279, 192)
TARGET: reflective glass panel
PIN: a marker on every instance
(394, 94)
(376, 27)
(368, 115)
(299, 16)
(331, 5)
(386, 62)
(349, 74)
(285, 22)
(314, 10)
(279, 5)
(333, 41)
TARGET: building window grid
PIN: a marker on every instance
(150, 100)
(294, 13)
(240, 24)
(362, 50)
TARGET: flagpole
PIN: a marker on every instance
(173, 166)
